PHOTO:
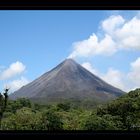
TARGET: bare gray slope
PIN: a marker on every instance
(66, 81)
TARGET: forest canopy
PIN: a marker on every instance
(122, 113)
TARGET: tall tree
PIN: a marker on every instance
(3, 103)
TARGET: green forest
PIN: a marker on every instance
(122, 113)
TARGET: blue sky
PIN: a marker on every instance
(104, 42)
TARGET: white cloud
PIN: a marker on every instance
(13, 70)
(118, 34)
(125, 33)
(115, 78)
(89, 67)
(92, 46)
(134, 74)
(16, 84)
(112, 76)
(129, 35)
(110, 24)
(124, 81)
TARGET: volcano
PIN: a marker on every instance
(68, 80)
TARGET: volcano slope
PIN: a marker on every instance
(67, 81)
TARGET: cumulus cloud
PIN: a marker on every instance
(134, 74)
(125, 81)
(13, 70)
(110, 24)
(115, 78)
(90, 68)
(112, 76)
(129, 35)
(93, 46)
(118, 34)
(16, 84)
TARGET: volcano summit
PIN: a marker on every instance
(68, 80)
